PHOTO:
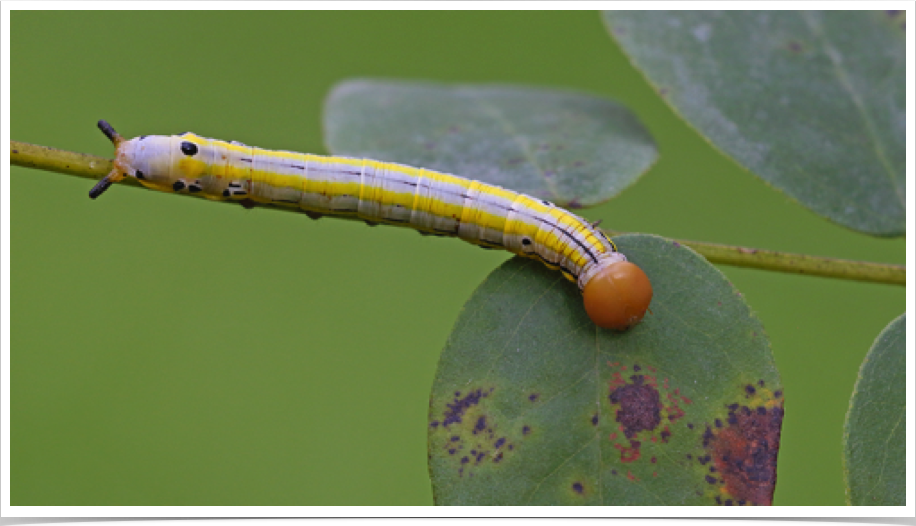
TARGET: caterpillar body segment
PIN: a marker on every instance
(378, 192)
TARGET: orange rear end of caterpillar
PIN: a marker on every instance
(617, 296)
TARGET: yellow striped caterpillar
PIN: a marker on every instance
(616, 292)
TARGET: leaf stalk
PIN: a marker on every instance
(93, 167)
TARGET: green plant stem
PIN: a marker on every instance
(92, 167)
(54, 160)
(796, 263)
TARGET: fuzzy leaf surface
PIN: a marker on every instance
(875, 438)
(812, 102)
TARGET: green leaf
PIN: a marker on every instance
(875, 437)
(576, 150)
(812, 102)
(533, 404)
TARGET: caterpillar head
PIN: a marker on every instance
(616, 292)
(148, 158)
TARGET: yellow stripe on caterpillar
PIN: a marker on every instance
(616, 292)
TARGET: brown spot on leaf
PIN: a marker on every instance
(645, 408)
(639, 406)
(578, 488)
(631, 453)
(744, 453)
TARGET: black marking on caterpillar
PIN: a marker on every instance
(188, 148)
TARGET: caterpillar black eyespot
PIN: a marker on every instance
(188, 148)
(616, 293)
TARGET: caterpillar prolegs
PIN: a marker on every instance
(616, 292)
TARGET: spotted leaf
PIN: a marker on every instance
(533, 404)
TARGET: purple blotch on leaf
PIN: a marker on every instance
(480, 425)
(639, 406)
(459, 406)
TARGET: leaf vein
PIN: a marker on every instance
(843, 78)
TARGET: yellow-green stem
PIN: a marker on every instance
(54, 160)
(92, 167)
(796, 263)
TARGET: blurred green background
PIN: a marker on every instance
(171, 351)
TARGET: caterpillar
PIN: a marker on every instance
(616, 293)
